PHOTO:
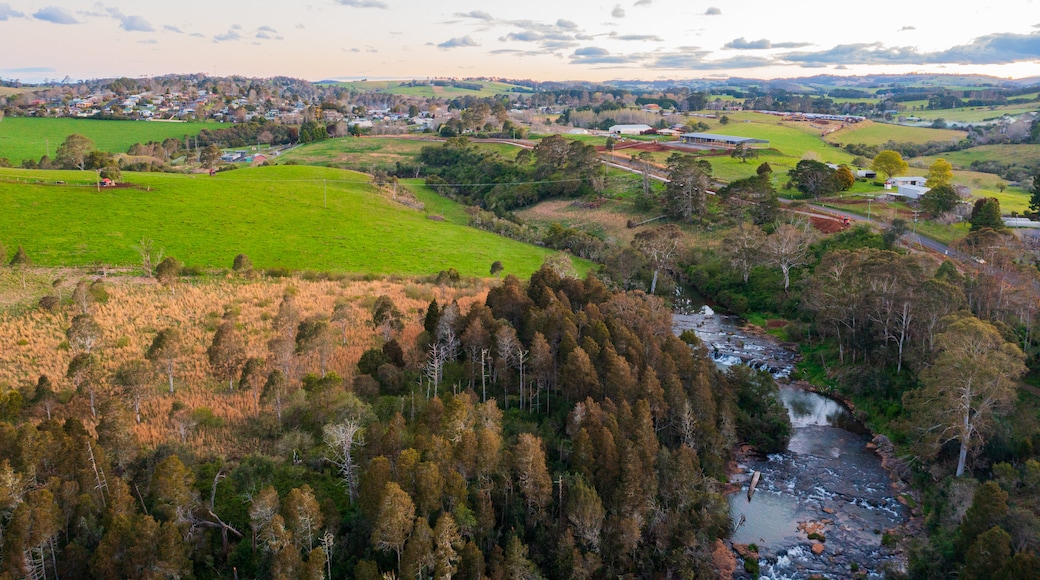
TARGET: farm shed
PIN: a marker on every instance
(727, 141)
(629, 129)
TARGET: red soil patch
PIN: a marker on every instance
(827, 225)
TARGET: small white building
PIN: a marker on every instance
(866, 173)
(897, 182)
(912, 191)
(629, 129)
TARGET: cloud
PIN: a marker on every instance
(231, 35)
(1001, 48)
(476, 15)
(55, 15)
(597, 55)
(571, 25)
(267, 33)
(149, 41)
(713, 11)
(363, 3)
(761, 44)
(637, 37)
(643, 2)
(30, 70)
(618, 11)
(300, 26)
(907, 28)
(197, 35)
(457, 42)
(7, 12)
(174, 29)
(131, 23)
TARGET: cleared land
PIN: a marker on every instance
(275, 215)
(369, 153)
(31, 138)
(871, 133)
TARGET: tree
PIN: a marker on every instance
(395, 521)
(314, 335)
(20, 258)
(659, 245)
(210, 155)
(889, 163)
(787, 248)
(111, 172)
(84, 333)
(940, 173)
(531, 472)
(165, 351)
(986, 214)
(446, 543)
(167, 271)
(85, 372)
(342, 438)
(844, 178)
(242, 264)
(743, 152)
(939, 200)
(1034, 194)
(687, 187)
(302, 516)
(744, 249)
(226, 353)
(496, 268)
(971, 382)
(386, 317)
(813, 178)
(133, 376)
(73, 152)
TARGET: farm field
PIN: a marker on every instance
(871, 133)
(10, 91)
(31, 138)
(368, 153)
(976, 114)
(1002, 153)
(275, 215)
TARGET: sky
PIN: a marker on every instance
(530, 39)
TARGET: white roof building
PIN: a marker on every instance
(629, 129)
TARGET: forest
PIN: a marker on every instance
(549, 428)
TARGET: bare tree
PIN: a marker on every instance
(150, 256)
(341, 439)
(788, 248)
(660, 246)
(744, 248)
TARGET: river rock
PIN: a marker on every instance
(817, 549)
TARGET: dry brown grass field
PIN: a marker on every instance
(33, 343)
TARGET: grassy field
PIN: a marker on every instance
(31, 138)
(1002, 153)
(275, 215)
(976, 114)
(368, 153)
(11, 91)
(490, 89)
(871, 133)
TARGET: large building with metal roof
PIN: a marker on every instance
(716, 141)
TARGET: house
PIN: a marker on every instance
(721, 141)
(629, 129)
(897, 182)
(866, 173)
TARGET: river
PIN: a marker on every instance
(829, 482)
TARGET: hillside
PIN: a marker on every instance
(31, 138)
(275, 215)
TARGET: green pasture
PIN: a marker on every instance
(1002, 153)
(871, 133)
(31, 138)
(11, 91)
(977, 114)
(275, 215)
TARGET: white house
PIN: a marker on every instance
(629, 129)
(897, 182)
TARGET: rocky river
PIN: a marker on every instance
(825, 506)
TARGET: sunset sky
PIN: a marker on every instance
(537, 39)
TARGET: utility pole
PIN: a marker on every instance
(916, 214)
(869, 201)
